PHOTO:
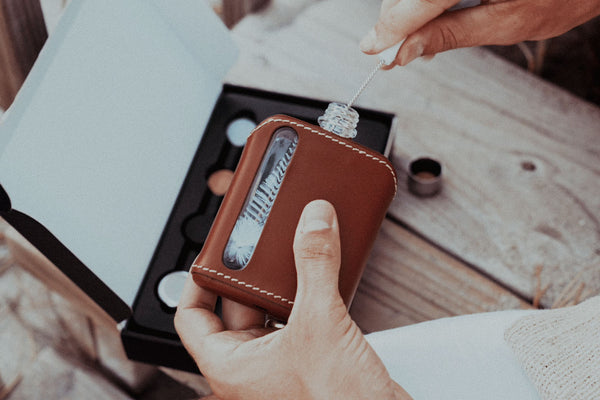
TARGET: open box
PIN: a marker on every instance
(106, 152)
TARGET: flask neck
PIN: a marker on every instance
(340, 119)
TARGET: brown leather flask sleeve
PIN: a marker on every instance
(359, 182)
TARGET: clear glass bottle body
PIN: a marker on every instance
(265, 187)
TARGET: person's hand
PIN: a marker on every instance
(429, 29)
(320, 353)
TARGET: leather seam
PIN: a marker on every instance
(335, 140)
(244, 284)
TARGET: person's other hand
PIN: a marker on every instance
(320, 353)
(429, 29)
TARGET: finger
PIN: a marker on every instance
(386, 6)
(317, 256)
(193, 296)
(238, 317)
(400, 20)
(493, 23)
(195, 319)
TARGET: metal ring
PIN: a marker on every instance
(424, 176)
(273, 323)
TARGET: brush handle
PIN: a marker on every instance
(389, 55)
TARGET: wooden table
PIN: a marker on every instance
(519, 209)
(521, 200)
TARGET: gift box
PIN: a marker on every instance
(115, 155)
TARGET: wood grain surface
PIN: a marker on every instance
(22, 35)
(520, 161)
(520, 156)
(54, 377)
(408, 280)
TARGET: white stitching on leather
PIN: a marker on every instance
(335, 140)
(212, 271)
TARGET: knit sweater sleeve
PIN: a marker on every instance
(560, 350)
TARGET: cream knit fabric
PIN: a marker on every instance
(560, 350)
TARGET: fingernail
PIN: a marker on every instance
(317, 216)
(368, 42)
(415, 51)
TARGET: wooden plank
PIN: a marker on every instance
(22, 35)
(32, 322)
(235, 10)
(514, 199)
(408, 280)
(520, 155)
(38, 265)
(54, 377)
(66, 317)
(17, 347)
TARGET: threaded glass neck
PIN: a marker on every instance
(340, 119)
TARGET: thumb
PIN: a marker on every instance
(490, 24)
(317, 256)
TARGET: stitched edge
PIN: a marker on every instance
(244, 284)
(333, 139)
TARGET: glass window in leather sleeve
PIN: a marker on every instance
(267, 181)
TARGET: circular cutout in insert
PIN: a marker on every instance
(170, 288)
(219, 181)
(196, 227)
(239, 129)
(424, 176)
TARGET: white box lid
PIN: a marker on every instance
(98, 141)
